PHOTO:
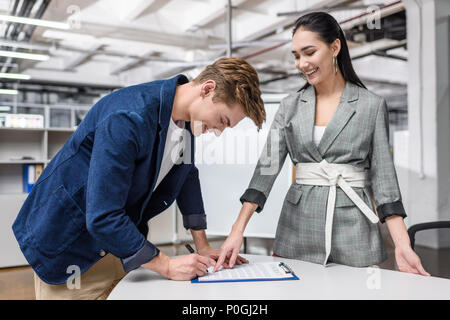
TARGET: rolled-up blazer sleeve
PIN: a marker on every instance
(119, 140)
(384, 182)
(269, 164)
(190, 202)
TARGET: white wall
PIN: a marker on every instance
(429, 120)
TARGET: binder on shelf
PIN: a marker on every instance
(29, 177)
(38, 170)
(2, 120)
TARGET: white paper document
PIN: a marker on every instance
(250, 271)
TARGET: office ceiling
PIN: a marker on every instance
(113, 43)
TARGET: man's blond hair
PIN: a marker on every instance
(236, 82)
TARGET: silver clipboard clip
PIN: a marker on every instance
(286, 268)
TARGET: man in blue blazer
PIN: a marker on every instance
(128, 161)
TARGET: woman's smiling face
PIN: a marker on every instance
(313, 56)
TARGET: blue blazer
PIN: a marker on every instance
(96, 195)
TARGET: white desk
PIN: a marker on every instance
(316, 282)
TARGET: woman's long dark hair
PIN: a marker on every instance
(329, 30)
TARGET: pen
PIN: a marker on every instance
(188, 246)
(191, 250)
(286, 268)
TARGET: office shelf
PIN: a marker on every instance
(22, 161)
(61, 129)
(22, 129)
(41, 144)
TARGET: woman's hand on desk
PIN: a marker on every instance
(181, 268)
(408, 261)
(215, 254)
(230, 248)
(229, 252)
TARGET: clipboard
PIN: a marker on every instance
(263, 271)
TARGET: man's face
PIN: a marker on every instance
(207, 115)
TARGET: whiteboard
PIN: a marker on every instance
(226, 165)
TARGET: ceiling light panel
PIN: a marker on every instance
(9, 91)
(17, 76)
(35, 22)
(24, 55)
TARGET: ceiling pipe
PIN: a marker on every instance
(369, 13)
(291, 25)
(257, 53)
(387, 6)
(328, 9)
(229, 29)
(193, 65)
(13, 13)
(287, 23)
(237, 45)
(25, 11)
(38, 15)
(388, 55)
(55, 46)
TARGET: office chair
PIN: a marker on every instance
(425, 226)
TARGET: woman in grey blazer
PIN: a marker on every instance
(328, 214)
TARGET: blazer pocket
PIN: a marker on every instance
(56, 223)
(293, 195)
(343, 200)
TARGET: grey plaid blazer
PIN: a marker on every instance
(357, 134)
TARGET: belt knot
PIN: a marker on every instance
(331, 173)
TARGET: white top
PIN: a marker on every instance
(173, 148)
(318, 133)
(316, 282)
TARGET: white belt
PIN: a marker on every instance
(331, 174)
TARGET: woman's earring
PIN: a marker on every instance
(335, 66)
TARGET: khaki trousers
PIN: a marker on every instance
(94, 284)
